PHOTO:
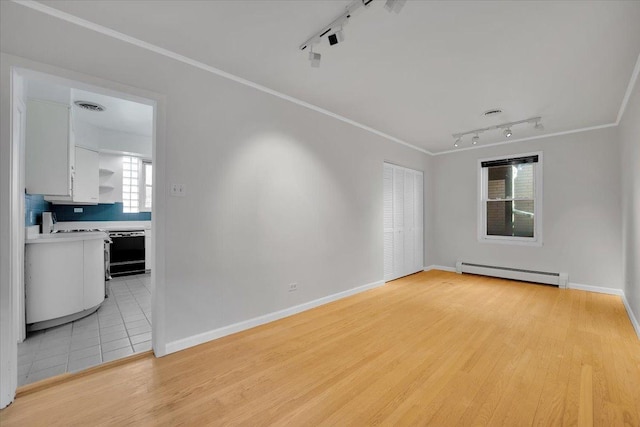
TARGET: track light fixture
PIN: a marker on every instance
(506, 130)
(314, 58)
(337, 37)
(334, 31)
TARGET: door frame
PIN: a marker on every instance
(12, 68)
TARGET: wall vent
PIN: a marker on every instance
(492, 112)
(91, 106)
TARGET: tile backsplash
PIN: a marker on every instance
(101, 212)
(35, 204)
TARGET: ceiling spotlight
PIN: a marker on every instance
(475, 139)
(336, 37)
(394, 5)
(507, 133)
(538, 126)
(458, 140)
(315, 59)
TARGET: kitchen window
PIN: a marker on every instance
(146, 187)
(137, 175)
(510, 204)
(130, 184)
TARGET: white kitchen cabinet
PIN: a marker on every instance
(403, 221)
(93, 273)
(86, 180)
(49, 154)
(54, 280)
(64, 276)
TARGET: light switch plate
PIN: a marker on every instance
(178, 190)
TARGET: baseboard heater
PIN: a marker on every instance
(557, 279)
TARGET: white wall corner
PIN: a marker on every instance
(632, 316)
(598, 289)
(563, 281)
(184, 343)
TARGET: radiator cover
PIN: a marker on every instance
(549, 278)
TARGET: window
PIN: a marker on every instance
(147, 176)
(136, 185)
(130, 184)
(511, 200)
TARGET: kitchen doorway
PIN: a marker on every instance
(81, 315)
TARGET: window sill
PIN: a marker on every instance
(537, 243)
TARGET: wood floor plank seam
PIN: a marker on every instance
(434, 348)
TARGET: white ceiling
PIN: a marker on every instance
(120, 114)
(421, 75)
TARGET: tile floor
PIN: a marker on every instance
(120, 327)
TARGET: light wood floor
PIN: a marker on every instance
(434, 348)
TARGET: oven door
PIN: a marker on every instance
(127, 253)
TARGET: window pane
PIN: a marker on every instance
(506, 182)
(523, 218)
(147, 198)
(148, 174)
(523, 181)
(500, 182)
(507, 218)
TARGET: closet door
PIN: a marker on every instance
(418, 258)
(398, 222)
(388, 221)
(409, 221)
(403, 221)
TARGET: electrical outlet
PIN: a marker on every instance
(293, 287)
(178, 190)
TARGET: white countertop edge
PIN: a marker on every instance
(103, 225)
(66, 237)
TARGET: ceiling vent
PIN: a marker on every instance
(492, 112)
(88, 105)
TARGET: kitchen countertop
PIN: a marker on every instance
(66, 237)
(103, 225)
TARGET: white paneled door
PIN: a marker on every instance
(403, 221)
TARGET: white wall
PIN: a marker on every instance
(581, 209)
(276, 193)
(629, 133)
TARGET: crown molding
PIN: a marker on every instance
(32, 4)
(627, 94)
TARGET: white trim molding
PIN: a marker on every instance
(598, 289)
(632, 316)
(440, 267)
(204, 337)
(189, 61)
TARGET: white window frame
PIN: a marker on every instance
(483, 237)
(142, 193)
(137, 160)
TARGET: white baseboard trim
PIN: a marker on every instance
(440, 267)
(204, 337)
(632, 316)
(598, 289)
